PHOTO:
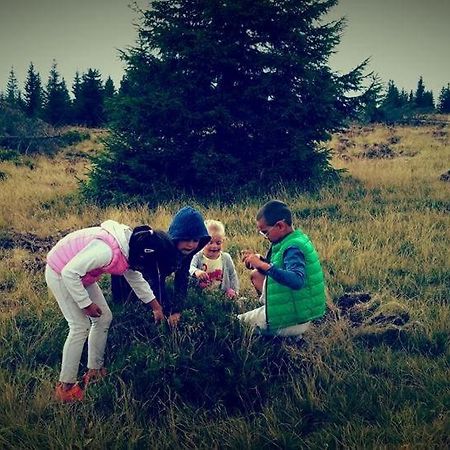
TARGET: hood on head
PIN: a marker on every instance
(189, 224)
(120, 232)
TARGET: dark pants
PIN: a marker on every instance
(122, 292)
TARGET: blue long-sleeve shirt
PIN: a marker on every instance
(292, 274)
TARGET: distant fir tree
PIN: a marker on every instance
(57, 105)
(91, 107)
(392, 98)
(226, 95)
(76, 102)
(20, 102)
(370, 110)
(404, 98)
(420, 91)
(395, 105)
(124, 88)
(109, 92)
(444, 100)
(33, 93)
(428, 100)
(423, 99)
(109, 89)
(12, 89)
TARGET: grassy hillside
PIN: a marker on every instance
(371, 375)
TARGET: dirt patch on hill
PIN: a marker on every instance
(376, 151)
(441, 135)
(38, 246)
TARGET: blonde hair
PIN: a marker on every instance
(215, 226)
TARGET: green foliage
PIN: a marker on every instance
(89, 99)
(211, 382)
(9, 155)
(208, 362)
(12, 89)
(220, 97)
(444, 100)
(72, 137)
(33, 93)
(423, 99)
(20, 134)
(57, 106)
(396, 105)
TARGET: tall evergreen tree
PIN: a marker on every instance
(57, 105)
(420, 91)
(109, 93)
(91, 107)
(444, 100)
(392, 98)
(33, 93)
(124, 86)
(423, 100)
(109, 89)
(76, 102)
(20, 102)
(404, 98)
(12, 89)
(395, 106)
(226, 94)
(428, 100)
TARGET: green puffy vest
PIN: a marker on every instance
(284, 306)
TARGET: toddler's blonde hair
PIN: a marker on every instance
(215, 226)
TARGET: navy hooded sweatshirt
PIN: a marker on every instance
(186, 224)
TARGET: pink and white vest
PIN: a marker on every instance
(73, 243)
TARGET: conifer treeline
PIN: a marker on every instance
(394, 105)
(90, 96)
(52, 103)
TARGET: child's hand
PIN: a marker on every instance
(230, 293)
(92, 310)
(252, 260)
(245, 254)
(174, 319)
(201, 275)
(158, 313)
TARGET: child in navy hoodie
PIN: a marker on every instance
(189, 235)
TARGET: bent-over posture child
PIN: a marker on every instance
(74, 265)
(188, 235)
(213, 267)
(290, 278)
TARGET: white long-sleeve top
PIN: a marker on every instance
(98, 254)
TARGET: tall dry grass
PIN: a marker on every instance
(362, 380)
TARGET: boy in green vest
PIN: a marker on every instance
(290, 279)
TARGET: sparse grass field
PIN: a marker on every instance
(375, 375)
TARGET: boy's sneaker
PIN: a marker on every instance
(71, 395)
(93, 375)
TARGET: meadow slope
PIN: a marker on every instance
(370, 375)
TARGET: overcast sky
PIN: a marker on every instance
(403, 38)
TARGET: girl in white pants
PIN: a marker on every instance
(74, 265)
(80, 327)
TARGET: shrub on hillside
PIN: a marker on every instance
(22, 134)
